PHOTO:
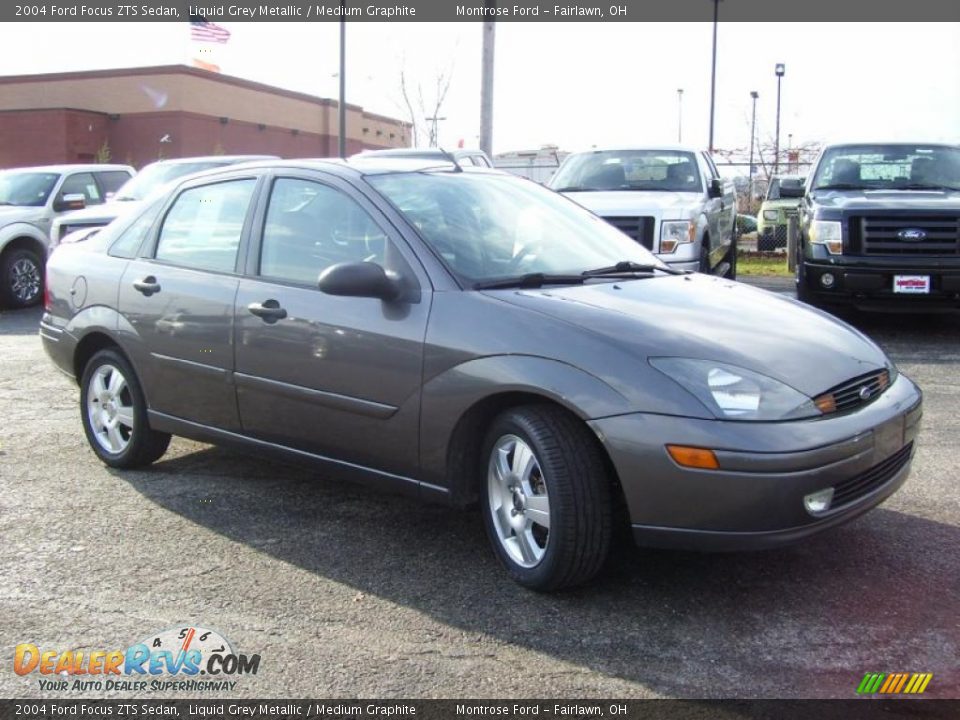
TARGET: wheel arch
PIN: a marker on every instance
(464, 458)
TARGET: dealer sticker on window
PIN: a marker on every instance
(916, 284)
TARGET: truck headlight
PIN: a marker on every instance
(828, 233)
(735, 393)
(676, 232)
(771, 214)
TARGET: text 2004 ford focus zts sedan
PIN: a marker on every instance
(469, 336)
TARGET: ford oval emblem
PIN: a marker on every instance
(865, 393)
(912, 235)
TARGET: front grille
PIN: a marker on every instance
(883, 235)
(853, 393)
(868, 481)
(638, 228)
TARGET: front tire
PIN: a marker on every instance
(21, 278)
(114, 413)
(704, 257)
(547, 502)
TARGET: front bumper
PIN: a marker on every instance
(755, 499)
(866, 283)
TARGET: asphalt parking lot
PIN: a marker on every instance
(345, 592)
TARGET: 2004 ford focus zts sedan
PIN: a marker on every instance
(470, 337)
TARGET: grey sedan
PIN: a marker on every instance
(474, 339)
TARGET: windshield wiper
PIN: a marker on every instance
(625, 267)
(841, 186)
(576, 188)
(4, 202)
(124, 198)
(530, 280)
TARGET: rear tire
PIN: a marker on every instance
(114, 413)
(732, 260)
(704, 257)
(21, 278)
(547, 500)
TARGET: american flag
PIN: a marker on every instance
(204, 31)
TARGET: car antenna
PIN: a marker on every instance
(449, 156)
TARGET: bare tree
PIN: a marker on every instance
(423, 109)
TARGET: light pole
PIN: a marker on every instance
(679, 115)
(753, 133)
(779, 69)
(713, 70)
(342, 132)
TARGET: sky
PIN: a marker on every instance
(576, 85)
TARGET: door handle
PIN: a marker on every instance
(148, 286)
(269, 310)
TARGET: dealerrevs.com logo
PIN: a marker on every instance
(187, 658)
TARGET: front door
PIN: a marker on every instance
(334, 376)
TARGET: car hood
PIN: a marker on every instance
(935, 200)
(107, 212)
(12, 213)
(636, 202)
(703, 317)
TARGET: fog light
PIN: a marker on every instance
(827, 280)
(819, 501)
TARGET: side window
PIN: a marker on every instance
(202, 229)
(81, 184)
(130, 240)
(711, 168)
(310, 226)
(111, 180)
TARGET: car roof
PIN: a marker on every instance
(892, 143)
(630, 148)
(418, 153)
(224, 159)
(72, 167)
(356, 166)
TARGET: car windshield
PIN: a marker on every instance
(26, 189)
(889, 167)
(153, 176)
(773, 192)
(491, 227)
(666, 170)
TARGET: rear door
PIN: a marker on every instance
(335, 376)
(178, 301)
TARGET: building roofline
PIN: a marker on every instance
(192, 72)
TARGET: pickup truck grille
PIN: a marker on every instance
(638, 228)
(891, 235)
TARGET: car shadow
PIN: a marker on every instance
(797, 622)
(20, 322)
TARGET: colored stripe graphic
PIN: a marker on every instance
(894, 683)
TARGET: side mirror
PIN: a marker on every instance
(791, 191)
(715, 188)
(360, 279)
(74, 201)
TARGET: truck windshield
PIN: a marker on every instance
(889, 167)
(664, 170)
(26, 189)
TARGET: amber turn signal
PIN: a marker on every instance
(693, 457)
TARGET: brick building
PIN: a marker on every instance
(138, 115)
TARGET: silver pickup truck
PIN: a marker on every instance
(670, 199)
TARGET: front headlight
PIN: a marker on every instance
(770, 214)
(828, 233)
(676, 232)
(735, 393)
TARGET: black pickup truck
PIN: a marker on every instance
(880, 227)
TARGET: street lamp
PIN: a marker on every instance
(342, 107)
(753, 133)
(779, 69)
(713, 70)
(679, 115)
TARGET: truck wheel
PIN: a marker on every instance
(21, 278)
(732, 260)
(704, 257)
(547, 502)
